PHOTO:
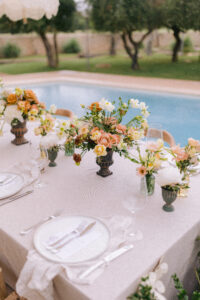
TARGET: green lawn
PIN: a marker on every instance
(157, 65)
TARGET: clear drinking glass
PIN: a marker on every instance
(154, 132)
(134, 202)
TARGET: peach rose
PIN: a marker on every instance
(182, 156)
(153, 147)
(105, 140)
(121, 128)
(176, 149)
(21, 105)
(12, 99)
(27, 106)
(114, 139)
(83, 130)
(111, 121)
(31, 96)
(42, 105)
(193, 143)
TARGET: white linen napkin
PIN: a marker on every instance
(35, 279)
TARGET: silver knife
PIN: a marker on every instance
(8, 180)
(110, 257)
(11, 199)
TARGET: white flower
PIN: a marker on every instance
(135, 103)
(52, 109)
(6, 92)
(168, 176)
(49, 141)
(106, 105)
(2, 102)
(64, 124)
(145, 113)
(1, 108)
(12, 112)
(124, 105)
(143, 106)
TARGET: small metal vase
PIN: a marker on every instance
(19, 131)
(169, 196)
(105, 162)
(52, 154)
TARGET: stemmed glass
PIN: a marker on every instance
(154, 132)
(134, 202)
(40, 157)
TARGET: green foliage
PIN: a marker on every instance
(187, 45)
(10, 51)
(72, 47)
(144, 292)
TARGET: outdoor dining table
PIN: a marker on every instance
(78, 190)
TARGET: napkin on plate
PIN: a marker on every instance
(35, 279)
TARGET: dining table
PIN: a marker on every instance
(78, 190)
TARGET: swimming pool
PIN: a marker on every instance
(178, 114)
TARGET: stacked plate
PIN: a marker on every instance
(10, 184)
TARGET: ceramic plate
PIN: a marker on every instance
(83, 248)
(10, 184)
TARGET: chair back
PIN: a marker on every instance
(64, 112)
(167, 137)
(3, 290)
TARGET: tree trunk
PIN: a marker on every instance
(55, 48)
(135, 63)
(112, 45)
(177, 45)
(49, 50)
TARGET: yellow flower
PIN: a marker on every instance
(18, 92)
(95, 135)
(31, 118)
(34, 112)
(135, 134)
(100, 150)
(37, 131)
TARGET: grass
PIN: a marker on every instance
(157, 65)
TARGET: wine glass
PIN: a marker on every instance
(40, 157)
(154, 132)
(134, 202)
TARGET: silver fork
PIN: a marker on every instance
(29, 229)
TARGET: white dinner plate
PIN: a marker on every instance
(83, 248)
(10, 184)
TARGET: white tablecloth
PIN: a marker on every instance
(78, 190)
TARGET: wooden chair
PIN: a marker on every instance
(64, 113)
(4, 293)
(3, 290)
(167, 137)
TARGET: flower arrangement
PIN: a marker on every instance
(47, 124)
(151, 161)
(151, 287)
(20, 105)
(101, 128)
(187, 156)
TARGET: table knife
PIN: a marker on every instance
(108, 258)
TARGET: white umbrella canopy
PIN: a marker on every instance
(17, 10)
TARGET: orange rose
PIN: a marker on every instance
(27, 106)
(21, 104)
(31, 96)
(42, 105)
(121, 128)
(12, 99)
(95, 106)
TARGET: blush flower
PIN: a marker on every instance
(193, 143)
(121, 128)
(141, 171)
(105, 140)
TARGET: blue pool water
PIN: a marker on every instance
(178, 114)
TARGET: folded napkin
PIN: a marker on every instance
(35, 279)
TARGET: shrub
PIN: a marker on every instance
(187, 45)
(72, 47)
(11, 50)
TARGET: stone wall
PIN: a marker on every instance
(98, 43)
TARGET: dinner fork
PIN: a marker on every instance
(29, 229)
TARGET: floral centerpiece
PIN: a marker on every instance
(170, 180)
(50, 143)
(17, 107)
(185, 158)
(101, 130)
(149, 162)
